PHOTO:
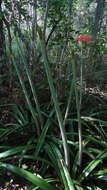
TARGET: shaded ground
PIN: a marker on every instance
(8, 181)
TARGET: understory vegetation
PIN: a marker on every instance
(53, 95)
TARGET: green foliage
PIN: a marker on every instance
(54, 126)
(29, 176)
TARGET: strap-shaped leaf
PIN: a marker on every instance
(40, 182)
(92, 165)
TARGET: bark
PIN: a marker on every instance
(34, 33)
(98, 17)
(2, 41)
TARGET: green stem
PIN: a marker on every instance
(78, 116)
(81, 83)
(68, 103)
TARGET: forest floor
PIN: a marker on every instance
(7, 180)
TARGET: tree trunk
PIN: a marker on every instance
(34, 35)
(98, 17)
(2, 42)
(1, 32)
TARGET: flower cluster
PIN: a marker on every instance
(85, 39)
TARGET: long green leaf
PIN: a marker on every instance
(28, 72)
(26, 94)
(68, 182)
(29, 176)
(54, 97)
(43, 134)
(92, 165)
(60, 167)
(15, 151)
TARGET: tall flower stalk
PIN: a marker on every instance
(81, 39)
(78, 107)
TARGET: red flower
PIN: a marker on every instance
(85, 39)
